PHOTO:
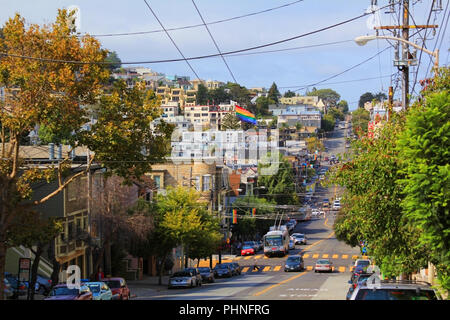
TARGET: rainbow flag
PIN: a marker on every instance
(245, 115)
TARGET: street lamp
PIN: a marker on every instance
(362, 40)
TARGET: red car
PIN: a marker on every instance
(118, 288)
(247, 250)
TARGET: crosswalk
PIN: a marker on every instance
(305, 256)
(278, 268)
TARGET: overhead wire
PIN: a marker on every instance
(197, 25)
(168, 35)
(214, 41)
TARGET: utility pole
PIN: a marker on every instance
(405, 53)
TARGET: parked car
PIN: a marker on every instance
(223, 270)
(62, 292)
(394, 290)
(182, 279)
(196, 273)
(100, 290)
(119, 288)
(207, 274)
(237, 267)
(358, 280)
(336, 205)
(8, 291)
(19, 287)
(323, 265)
(291, 244)
(247, 250)
(43, 285)
(294, 263)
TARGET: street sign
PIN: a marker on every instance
(24, 273)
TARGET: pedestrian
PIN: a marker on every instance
(99, 276)
(255, 265)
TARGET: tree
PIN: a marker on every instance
(289, 94)
(424, 147)
(328, 122)
(280, 186)
(336, 113)
(218, 95)
(313, 144)
(202, 95)
(57, 96)
(372, 210)
(343, 106)
(328, 96)
(360, 120)
(113, 60)
(273, 93)
(238, 93)
(366, 97)
(230, 122)
(262, 106)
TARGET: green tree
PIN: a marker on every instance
(328, 96)
(218, 95)
(280, 186)
(262, 106)
(113, 60)
(366, 97)
(360, 120)
(424, 147)
(328, 122)
(273, 93)
(343, 106)
(202, 95)
(230, 122)
(289, 94)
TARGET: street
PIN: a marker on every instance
(270, 281)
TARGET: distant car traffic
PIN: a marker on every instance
(323, 265)
(247, 250)
(291, 245)
(300, 238)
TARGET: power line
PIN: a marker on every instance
(197, 25)
(345, 81)
(346, 70)
(214, 41)
(199, 57)
(168, 35)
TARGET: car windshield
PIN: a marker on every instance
(273, 241)
(94, 287)
(247, 247)
(221, 266)
(64, 291)
(203, 269)
(323, 262)
(363, 263)
(113, 283)
(395, 294)
(181, 274)
(293, 259)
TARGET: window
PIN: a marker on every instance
(157, 180)
(206, 183)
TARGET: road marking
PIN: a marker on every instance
(277, 268)
(249, 257)
(259, 256)
(325, 256)
(355, 257)
(266, 257)
(309, 268)
(280, 283)
(335, 256)
(255, 270)
(266, 268)
(341, 269)
(238, 258)
(315, 256)
(306, 255)
(345, 256)
(245, 269)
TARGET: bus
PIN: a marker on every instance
(276, 242)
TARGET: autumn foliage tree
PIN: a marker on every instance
(53, 78)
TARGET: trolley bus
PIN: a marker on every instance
(276, 242)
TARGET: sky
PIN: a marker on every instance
(295, 69)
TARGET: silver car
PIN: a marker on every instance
(394, 290)
(182, 279)
(323, 265)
